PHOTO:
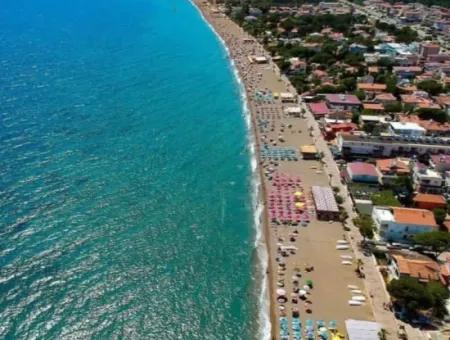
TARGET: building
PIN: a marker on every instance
(319, 109)
(440, 163)
(401, 224)
(432, 127)
(362, 172)
(427, 180)
(429, 201)
(332, 129)
(428, 49)
(342, 101)
(385, 98)
(406, 129)
(325, 203)
(391, 168)
(373, 107)
(309, 152)
(371, 87)
(411, 264)
(362, 146)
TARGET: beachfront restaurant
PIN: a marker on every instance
(325, 203)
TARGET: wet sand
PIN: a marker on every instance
(316, 242)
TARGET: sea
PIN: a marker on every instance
(127, 185)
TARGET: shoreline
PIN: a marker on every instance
(266, 318)
(314, 243)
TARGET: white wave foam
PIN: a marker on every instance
(257, 200)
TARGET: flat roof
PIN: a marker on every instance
(406, 126)
(384, 214)
(438, 142)
(308, 149)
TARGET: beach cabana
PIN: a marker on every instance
(308, 152)
(293, 111)
(326, 205)
(287, 97)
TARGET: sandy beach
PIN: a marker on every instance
(292, 249)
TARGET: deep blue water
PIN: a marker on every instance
(125, 205)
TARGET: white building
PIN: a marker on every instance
(401, 224)
(352, 145)
(407, 129)
(427, 180)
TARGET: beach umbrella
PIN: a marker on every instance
(302, 292)
(310, 283)
(281, 292)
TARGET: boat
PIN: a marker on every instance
(356, 291)
(342, 242)
(342, 247)
(352, 287)
(347, 257)
(354, 303)
(347, 263)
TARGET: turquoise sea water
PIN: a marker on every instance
(124, 175)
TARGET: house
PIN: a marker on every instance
(342, 101)
(309, 152)
(444, 101)
(361, 146)
(373, 107)
(427, 180)
(391, 168)
(325, 203)
(373, 120)
(319, 109)
(362, 172)
(415, 265)
(429, 201)
(406, 129)
(371, 87)
(401, 224)
(332, 129)
(385, 98)
(432, 127)
(297, 65)
(406, 71)
(440, 163)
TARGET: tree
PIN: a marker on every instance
(410, 293)
(438, 241)
(360, 94)
(431, 86)
(439, 215)
(385, 197)
(365, 225)
(413, 295)
(393, 107)
(339, 199)
(355, 117)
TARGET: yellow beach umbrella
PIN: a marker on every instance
(298, 193)
(299, 205)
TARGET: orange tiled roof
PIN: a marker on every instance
(393, 165)
(429, 125)
(373, 106)
(371, 87)
(421, 268)
(414, 216)
(429, 198)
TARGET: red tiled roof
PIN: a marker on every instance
(342, 99)
(361, 169)
(319, 108)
